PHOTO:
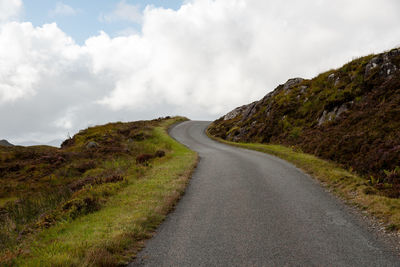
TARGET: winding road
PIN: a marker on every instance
(246, 208)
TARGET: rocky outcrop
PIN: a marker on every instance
(235, 113)
(384, 63)
(291, 83)
(5, 143)
(92, 145)
(350, 115)
(335, 113)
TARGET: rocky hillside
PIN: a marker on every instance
(349, 115)
(5, 143)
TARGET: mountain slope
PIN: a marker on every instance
(350, 115)
(5, 143)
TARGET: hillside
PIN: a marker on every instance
(119, 178)
(350, 115)
(5, 143)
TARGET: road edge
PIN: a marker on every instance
(365, 208)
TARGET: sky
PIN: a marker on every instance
(82, 19)
(66, 65)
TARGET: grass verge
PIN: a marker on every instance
(112, 235)
(354, 189)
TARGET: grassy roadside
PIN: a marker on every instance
(113, 234)
(354, 189)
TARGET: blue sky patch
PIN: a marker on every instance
(82, 19)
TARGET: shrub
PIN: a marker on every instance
(144, 158)
(159, 153)
(84, 166)
(68, 143)
(113, 179)
(139, 137)
(80, 206)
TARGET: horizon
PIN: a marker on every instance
(69, 65)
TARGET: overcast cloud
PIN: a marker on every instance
(199, 61)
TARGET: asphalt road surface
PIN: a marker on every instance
(246, 208)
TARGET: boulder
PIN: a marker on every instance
(335, 113)
(235, 113)
(291, 83)
(343, 108)
(384, 63)
(372, 64)
(92, 145)
(249, 111)
(388, 69)
(303, 89)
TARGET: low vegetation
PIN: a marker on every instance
(93, 201)
(346, 184)
(350, 116)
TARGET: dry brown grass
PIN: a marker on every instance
(112, 235)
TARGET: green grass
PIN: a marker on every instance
(113, 233)
(346, 184)
(3, 201)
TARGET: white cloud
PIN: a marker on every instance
(123, 11)
(62, 9)
(127, 32)
(30, 55)
(199, 61)
(9, 9)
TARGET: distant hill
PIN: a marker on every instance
(5, 143)
(55, 143)
(350, 115)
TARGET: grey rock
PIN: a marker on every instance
(323, 118)
(388, 69)
(234, 113)
(240, 135)
(249, 111)
(384, 63)
(337, 81)
(394, 52)
(5, 143)
(245, 111)
(335, 113)
(92, 145)
(267, 98)
(291, 83)
(372, 64)
(303, 89)
(343, 108)
(328, 116)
